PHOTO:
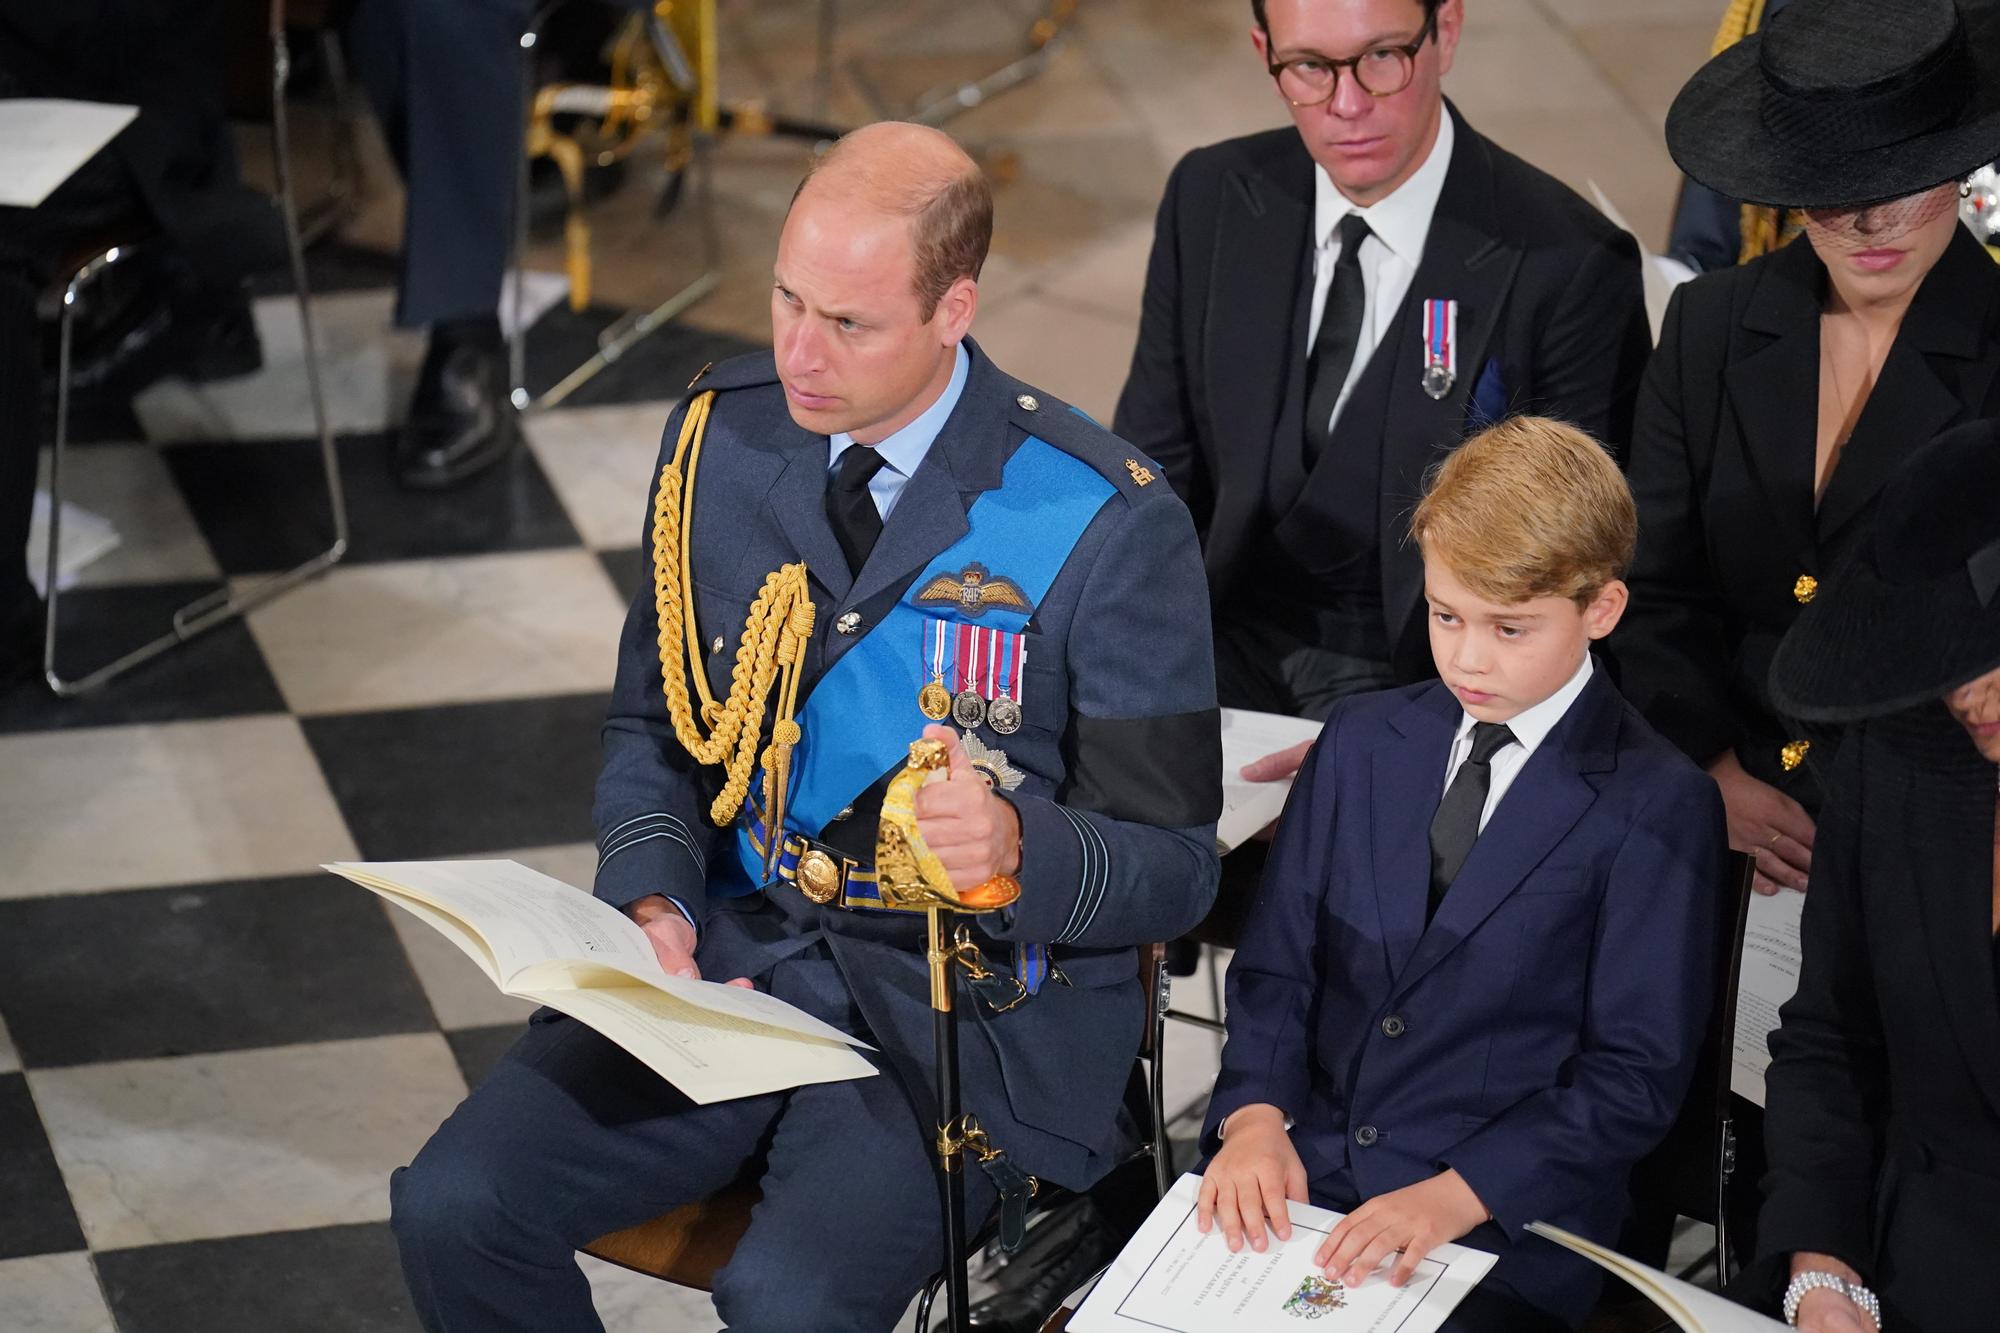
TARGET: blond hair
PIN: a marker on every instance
(920, 174)
(1526, 509)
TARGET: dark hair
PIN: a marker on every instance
(1257, 9)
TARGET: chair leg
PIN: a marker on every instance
(205, 613)
(1156, 1079)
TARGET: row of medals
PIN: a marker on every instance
(969, 708)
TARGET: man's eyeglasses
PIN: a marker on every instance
(1385, 71)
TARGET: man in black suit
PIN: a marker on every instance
(1284, 375)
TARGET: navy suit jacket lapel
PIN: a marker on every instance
(1547, 798)
(797, 502)
(1407, 784)
(965, 460)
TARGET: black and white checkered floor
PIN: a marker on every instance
(212, 1055)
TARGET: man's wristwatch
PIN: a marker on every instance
(1815, 1280)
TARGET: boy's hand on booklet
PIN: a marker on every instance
(1415, 1220)
(975, 833)
(1254, 1173)
(672, 937)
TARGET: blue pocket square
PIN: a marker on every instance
(1489, 398)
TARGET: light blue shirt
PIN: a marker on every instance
(903, 451)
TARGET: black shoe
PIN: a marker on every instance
(1059, 1257)
(461, 421)
(216, 339)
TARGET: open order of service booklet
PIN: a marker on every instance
(1248, 806)
(1173, 1279)
(542, 940)
(1692, 1309)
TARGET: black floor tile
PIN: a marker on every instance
(145, 973)
(333, 266)
(628, 570)
(344, 1279)
(470, 778)
(220, 673)
(35, 1216)
(479, 1049)
(262, 506)
(658, 366)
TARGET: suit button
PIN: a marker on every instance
(1794, 754)
(849, 623)
(1366, 1136)
(1805, 589)
(1393, 1026)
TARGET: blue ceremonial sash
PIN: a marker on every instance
(862, 714)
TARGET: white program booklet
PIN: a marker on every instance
(1248, 806)
(44, 140)
(1770, 977)
(539, 939)
(1173, 1279)
(1692, 1309)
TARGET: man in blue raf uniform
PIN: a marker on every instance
(974, 551)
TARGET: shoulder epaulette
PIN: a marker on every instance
(1073, 431)
(738, 372)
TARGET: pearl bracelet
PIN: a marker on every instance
(1814, 1280)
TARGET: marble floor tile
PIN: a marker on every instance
(1634, 13)
(334, 1279)
(600, 461)
(219, 673)
(1648, 63)
(36, 1216)
(158, 540)
(469, 779)
(630, 1302)
(1525, 68)
(146, 973)
(206, 1146)
(1079, 355)
(629, 570)
(479, 1049)
(403, 635)
(179, 803)
(1109, 277)
(1612, 148)
(10, 1059)
(53, 1293)
(367, 369)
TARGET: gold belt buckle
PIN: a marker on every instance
(819, 877)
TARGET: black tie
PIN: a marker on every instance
(849, 506)
(1455, 827)
(1339, 335)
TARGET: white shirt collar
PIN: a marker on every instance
(905, 449)
(1402, 221)
(1531, 726)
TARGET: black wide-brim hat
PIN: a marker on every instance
(1916, 612)
(1841, 103)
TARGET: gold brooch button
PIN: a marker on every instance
(1805, 589)
(1794, 754)
(819, 877)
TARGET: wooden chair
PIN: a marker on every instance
(689, 1245)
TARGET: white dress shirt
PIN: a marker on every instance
(1531, 726)
(1398, 226)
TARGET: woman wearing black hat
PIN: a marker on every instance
(1884, 1085)
(1784, 392)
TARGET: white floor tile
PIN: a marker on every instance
(280, 1139)
(1080, 356)
(52, 1293)
(631, 1302)
(10, 1059)
(600, 461)
(516, 625)
(185, 802)
(128, 484)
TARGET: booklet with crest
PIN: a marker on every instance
(1172, 1278)
(1692, 1309)
(541, 940)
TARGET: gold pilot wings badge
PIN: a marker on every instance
(973, 591)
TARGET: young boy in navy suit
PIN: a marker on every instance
(1472, 987)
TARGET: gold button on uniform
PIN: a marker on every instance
(1794, 754)
(1805, 589)
(819, 877)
